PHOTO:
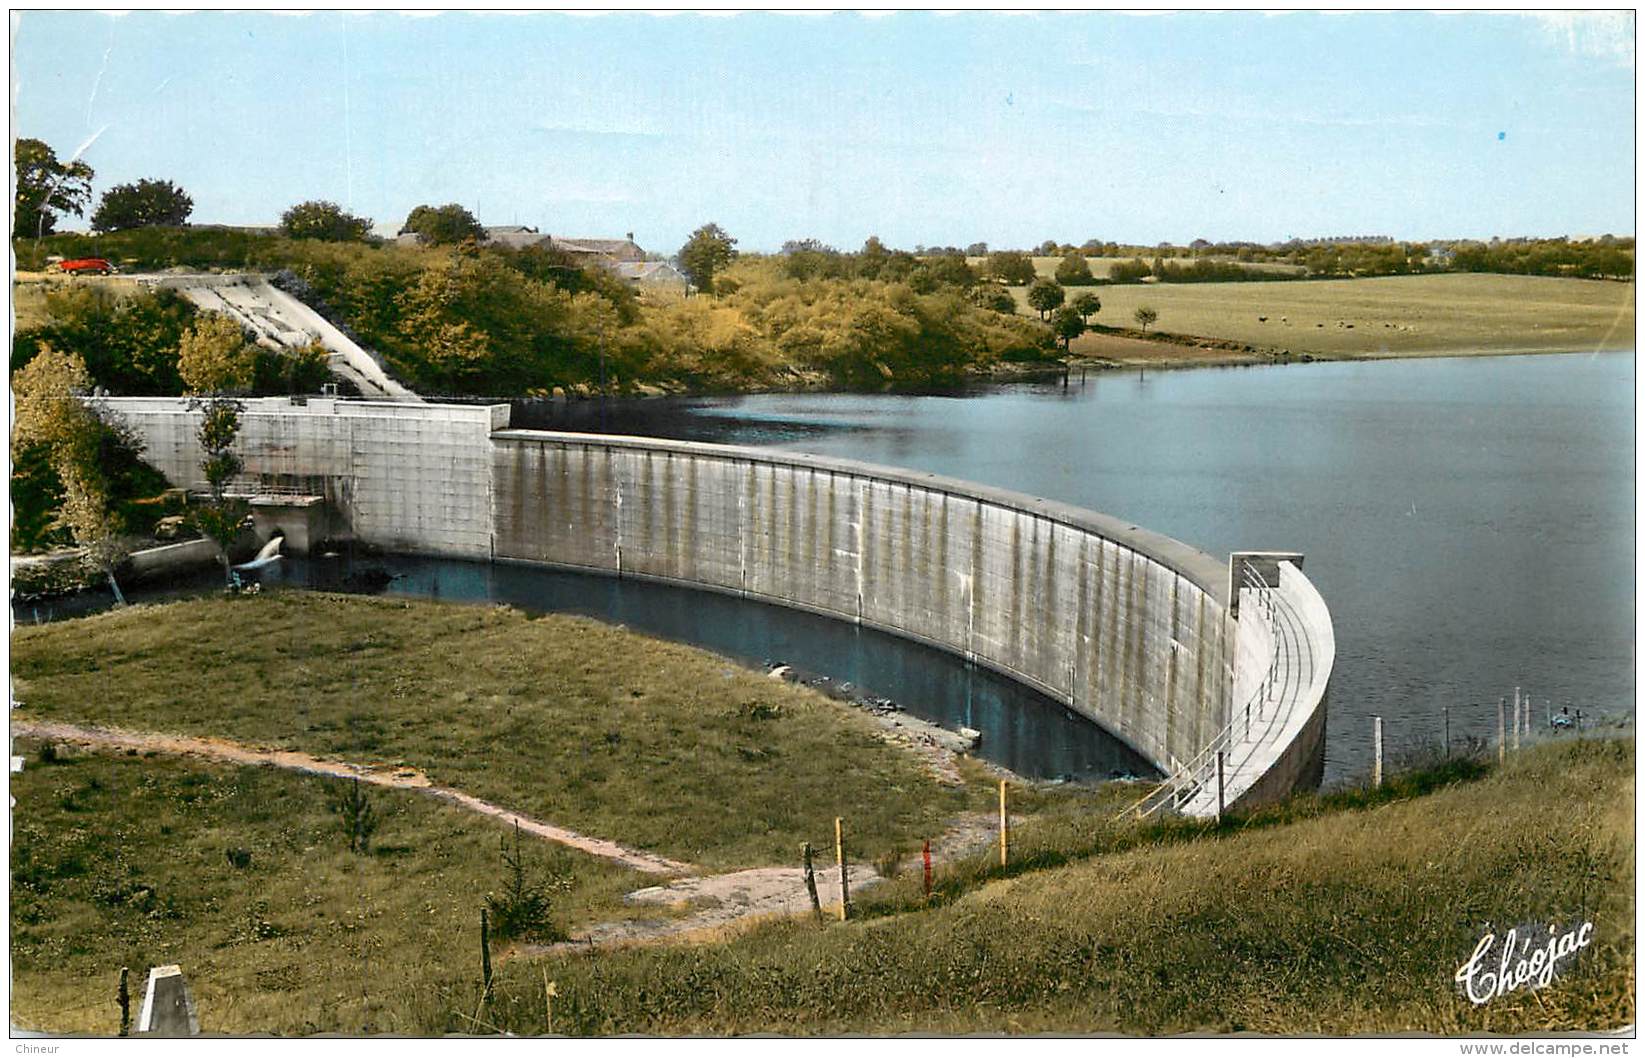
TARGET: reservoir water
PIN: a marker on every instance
(1469, 520)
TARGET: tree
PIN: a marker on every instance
(977, 249)
(355, 814)
(48, 407)
(1145, 316)
(1010, 267)
(1048, 248)
(442, 225)
(214, 356)
(1075, 271)
(1045, 295)
(709, 251)
(989, 296)
(1087, 305)
(1068, 326)
(950, 269)
(51, 414)
(221, 517)
(145, 204)
(47, 189)
(325, 221)
(95, 528)
(524, 909)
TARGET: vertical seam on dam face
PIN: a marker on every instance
(874, 545)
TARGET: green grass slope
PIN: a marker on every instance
(123, 861)
(1335, 916)
(652, 744)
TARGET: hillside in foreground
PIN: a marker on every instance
(1342, 913)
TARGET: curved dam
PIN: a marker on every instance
(1215, 671)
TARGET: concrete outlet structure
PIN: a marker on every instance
(1178, 654)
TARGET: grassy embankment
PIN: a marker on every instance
(656, 745)
(123, 861)
(1346, 913)
(1392, 316)
(1335, 915)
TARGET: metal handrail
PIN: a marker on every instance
(1187, 779)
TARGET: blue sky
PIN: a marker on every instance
(919, 128)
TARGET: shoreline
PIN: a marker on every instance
(1175, 353)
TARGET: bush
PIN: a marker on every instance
(522, 910)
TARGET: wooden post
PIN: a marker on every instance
(1221, 787)
(1003, 825)
(1447, 732)
(839, 858)
(1516, 720)
(811, 880)
(1501, 733)
(926, 854)
(123, 997)
(1376, 752)
(485, 957)
(550, 990)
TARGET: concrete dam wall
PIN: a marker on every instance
(1124, 626)
(1158, 642)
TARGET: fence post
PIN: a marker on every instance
(811, 879)
(1376, 752)
(1501, 733)
(926, 855)
(1447, 732)
(1516, 720)
(1221, 801)
(485, 957)
(839, 858)
(123, 997)
(1003, 825)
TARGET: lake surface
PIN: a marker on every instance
(1469, 521)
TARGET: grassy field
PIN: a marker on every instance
(656, 745)
(1339, 915)
(1428, 315)
(123, 861)
(1336, 914)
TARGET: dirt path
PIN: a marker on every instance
(719, 900)
(742, 897)
(396, 778)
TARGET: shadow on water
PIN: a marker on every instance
(1021, 729)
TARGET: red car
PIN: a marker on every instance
(96, 266)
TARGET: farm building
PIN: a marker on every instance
(623, 257)
(653, 277)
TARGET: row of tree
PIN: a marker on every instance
(49, 189)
